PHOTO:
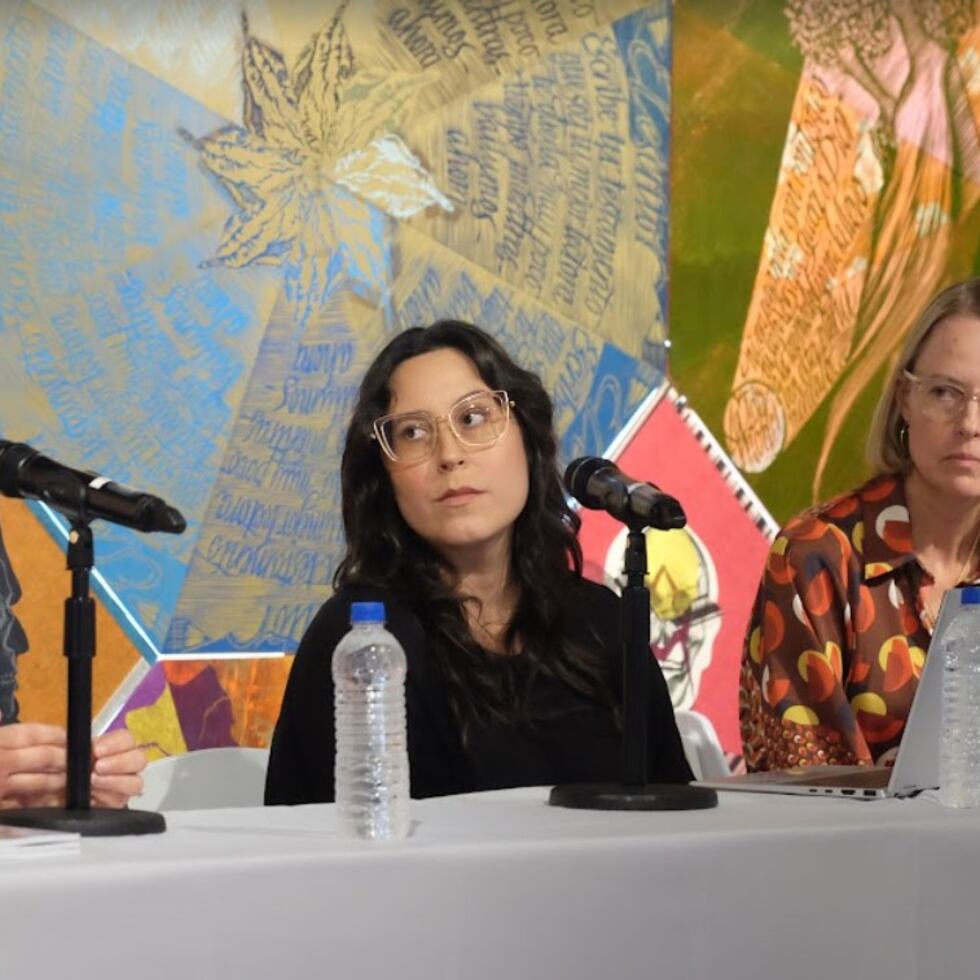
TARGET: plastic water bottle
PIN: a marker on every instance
(959, 757)
(371, 775)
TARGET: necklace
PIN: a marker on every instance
(930, 610)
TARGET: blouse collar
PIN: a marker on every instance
(885, 529)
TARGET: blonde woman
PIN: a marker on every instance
(851, 589)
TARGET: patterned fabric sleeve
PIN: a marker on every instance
(13, 642)
(793, 707)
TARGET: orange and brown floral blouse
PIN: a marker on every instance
(838, 635)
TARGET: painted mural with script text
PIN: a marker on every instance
(217, 213)
(189, 298)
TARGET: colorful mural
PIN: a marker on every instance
(850, 198)
(217, 213)
(702, 578)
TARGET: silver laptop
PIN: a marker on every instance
(916, 765)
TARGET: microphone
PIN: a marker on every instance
(24, 472)
(600, 484)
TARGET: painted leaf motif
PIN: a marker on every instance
(388, 175)
(374, 103)
(317, 232)
(260, 237)
(270, 110)
(321, 74)
(251, 170)
(297, 205)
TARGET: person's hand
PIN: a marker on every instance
(32, 765)
(117, 762)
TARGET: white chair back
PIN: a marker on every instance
(701, 745)
(204, 780)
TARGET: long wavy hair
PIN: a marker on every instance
(384, 552)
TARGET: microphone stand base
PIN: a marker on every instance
(648, 796)
(94, 822)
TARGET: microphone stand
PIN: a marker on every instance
(635, 793)
(78, 815)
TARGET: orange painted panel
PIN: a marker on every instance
(39, 565)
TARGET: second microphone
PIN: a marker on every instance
(600, 484)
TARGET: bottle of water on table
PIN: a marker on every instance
(371, 774)
(959, 757)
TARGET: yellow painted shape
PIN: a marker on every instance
(157, 727)
(675, 572)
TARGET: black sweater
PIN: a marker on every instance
(569, 738)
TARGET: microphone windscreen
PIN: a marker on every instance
(13, 455)
(579, 472)
(174, 522)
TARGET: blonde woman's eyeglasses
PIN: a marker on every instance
(477, 421)
(941, 399)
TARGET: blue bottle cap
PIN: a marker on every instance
(373, 612)
(970, 595)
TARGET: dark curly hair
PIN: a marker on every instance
(385, 553)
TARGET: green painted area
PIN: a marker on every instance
(758, 25)
(736, 73)
(732, 103)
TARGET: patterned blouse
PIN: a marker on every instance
(838, 635)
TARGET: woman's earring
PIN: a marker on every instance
(903, 437)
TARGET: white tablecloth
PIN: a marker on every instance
(502, 886)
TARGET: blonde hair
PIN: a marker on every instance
(887, 446)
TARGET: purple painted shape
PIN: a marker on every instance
(147, 692)
(204, 710)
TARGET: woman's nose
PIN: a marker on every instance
(969, 421)
(448, 451)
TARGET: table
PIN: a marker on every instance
(499, 885)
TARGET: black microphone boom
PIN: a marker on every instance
(81, 496)
(599, 484)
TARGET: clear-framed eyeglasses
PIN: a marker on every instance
(477, 421)
(941, 399)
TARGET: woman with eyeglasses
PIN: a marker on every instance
(456, 519)
(852, 588)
